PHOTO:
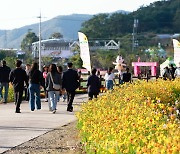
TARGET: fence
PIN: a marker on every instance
(83, 81)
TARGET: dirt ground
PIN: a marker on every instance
(63, 140)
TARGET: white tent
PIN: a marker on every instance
(163, 65)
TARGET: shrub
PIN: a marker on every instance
(11, 93)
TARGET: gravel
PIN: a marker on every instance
(63, 140)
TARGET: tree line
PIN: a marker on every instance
(161, 17)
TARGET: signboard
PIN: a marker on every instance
(84, 51)
(176, 45)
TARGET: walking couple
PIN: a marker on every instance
(68, 81)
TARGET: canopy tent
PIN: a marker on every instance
(167, 63)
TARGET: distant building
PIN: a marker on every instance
(59, 48)
(166, 39)
(104, 45)
(167, 36)
(55, 48)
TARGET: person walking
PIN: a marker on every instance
(45, 72)
(172, 71)
(109, 78)
(166, 73)
(4, 81)
(93, 84)
(26, 90)
(62, 94)
(53, 77)
(70, 82)
(126, 76)
(17, 77)
(35, 83)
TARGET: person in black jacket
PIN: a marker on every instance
(35, 83)
(4, 81)
(126, 76)
(93, 84)
(17, 77)
(172, 71)
(70, 82)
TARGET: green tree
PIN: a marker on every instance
(28, 40)
(96, 27)
(26, 45)
(10, 61)
(158, 17)
(56, 35)
(7, 53)
(47, 60)
(76, 60)
(177, 21)
(106, 58)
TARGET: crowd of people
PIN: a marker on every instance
(57, 83)
(170, 73)
(31, 80)
(94, 81)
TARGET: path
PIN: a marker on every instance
(17, 128)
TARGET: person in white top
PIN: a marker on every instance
(109, 78)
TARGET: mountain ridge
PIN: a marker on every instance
(67, 25)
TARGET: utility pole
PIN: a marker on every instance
(134, 40)
(5, 39)
(40, 41)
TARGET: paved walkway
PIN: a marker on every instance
(17, 128)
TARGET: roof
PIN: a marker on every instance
(52, 41)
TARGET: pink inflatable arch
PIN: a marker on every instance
(138, 64)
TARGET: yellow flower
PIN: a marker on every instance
(138, 116)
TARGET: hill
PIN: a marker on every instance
(68, 25)
(161, 17)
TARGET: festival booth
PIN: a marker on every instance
(137, 65)
(167, 63)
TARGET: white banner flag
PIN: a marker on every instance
(84, 51)
(176, 45)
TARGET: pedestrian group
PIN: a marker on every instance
(57, 83)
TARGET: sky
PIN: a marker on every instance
(19, 13)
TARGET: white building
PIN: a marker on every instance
(55, 48)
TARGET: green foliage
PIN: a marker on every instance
(103, 58)
(11, 62)
(176, 21)
(46, 60)
(9, 56)
(28, 58)
(28, 40)
(11, 94)
(2, 55)
(76, 60)
(158, 17)
(56, 35)
(26, 46)
(96, 27)
(7, 53)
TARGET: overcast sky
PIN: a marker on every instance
(18, 13)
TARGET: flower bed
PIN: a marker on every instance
(136, 118)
